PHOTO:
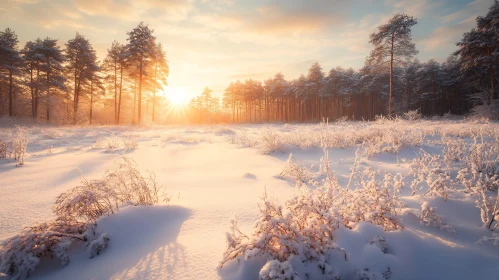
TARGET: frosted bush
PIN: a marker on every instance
(130, 142)
(276, 270)
(303, 228)
(76, 214)
(305, 225)
(14, 145)
(429, 217)
(454, 150)
(271, 142)
(412, 115)
(430, 178)
(295, 170)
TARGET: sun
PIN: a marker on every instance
(177, 96)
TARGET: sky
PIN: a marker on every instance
(213, 42)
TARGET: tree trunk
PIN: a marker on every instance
(139, 103)
(390, 101)
(119, 101)
(92, 100)
(11, 94)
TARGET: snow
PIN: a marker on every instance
(217, 173)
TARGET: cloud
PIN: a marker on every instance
(418, 9)
(472, 9)
(447, 36)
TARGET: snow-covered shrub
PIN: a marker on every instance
(98, 245)
(130, 186)
(14, 145)
(380, 242)
(130, 142)
(489, 209)
(374, 201)
(20, 254)
(429, 217)
(412, 115)
(86, 203)
(305, 225)
(270, 142)
(454, 150)
(76, 213)
(112, 143)
(428, 169)
(304, 228)
(295, 170)
(3, 148)
(276, 270)
(482, 108)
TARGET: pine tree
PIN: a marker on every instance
(10, 62)
(393, 41)
(33, 58)
(114, 65)
(142, 50)
(161, 71)
(479, 48)
(81, 62)
(53, 68)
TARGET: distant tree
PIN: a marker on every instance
(10, 62)
(33, 57)
(113, 65)
(161, 71)
(95, 88)
(81, 62)
(479, 48)
(393, 41)
(53, 67)
(142, 51)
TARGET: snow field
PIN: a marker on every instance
(217, 173)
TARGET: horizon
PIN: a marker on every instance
(203, 39)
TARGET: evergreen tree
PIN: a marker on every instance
(142, 50)
(393, 41)
(81, 62)
(10, 62)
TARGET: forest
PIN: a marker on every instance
(69, 84)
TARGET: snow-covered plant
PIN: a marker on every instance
(304, 228)
(98, 245)
(276, 270)
(130, 186)
(295, 170)
(430, 177)
(374, 201)
(429, 217)
(489, 208)
(112, 143)
(130, 142)
(20, 254)
(14, 146)
(454, 150)
(76, 213)
(270, 142)
(84, 204)
(380, 242)
(412, 115)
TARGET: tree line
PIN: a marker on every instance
(391, 82)
(63, 85)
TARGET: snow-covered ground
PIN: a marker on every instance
(217, 173)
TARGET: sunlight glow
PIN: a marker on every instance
(177, 96)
